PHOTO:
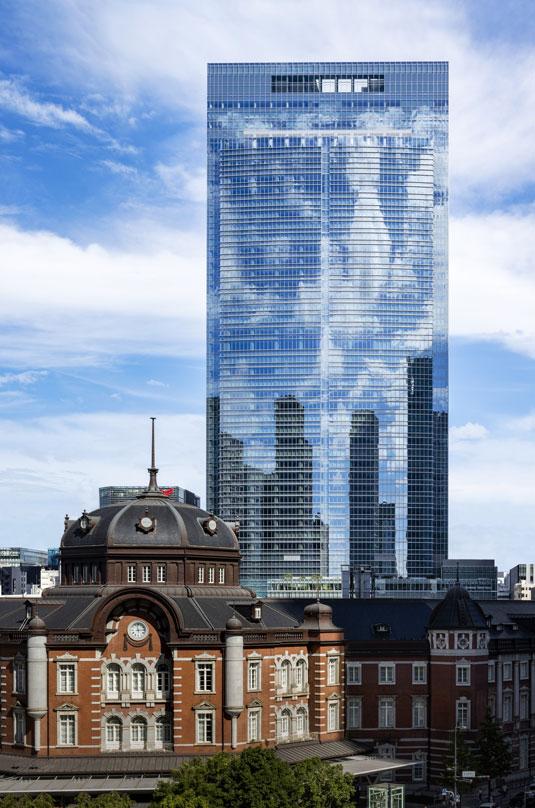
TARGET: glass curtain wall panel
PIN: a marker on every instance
(327, 316)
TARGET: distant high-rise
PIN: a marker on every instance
(327, 315)
(115, 494)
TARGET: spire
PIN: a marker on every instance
(153, 471)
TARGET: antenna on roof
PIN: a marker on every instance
(153, 471)
(457, 581)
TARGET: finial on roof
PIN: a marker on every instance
(153, 471)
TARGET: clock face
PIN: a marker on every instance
(212, 525)
(138, 630)
(146, 522)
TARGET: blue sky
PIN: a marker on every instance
(102, 247)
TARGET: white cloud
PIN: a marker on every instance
(492, 278)
(492, 480)
(61, 462)
(119, 168)
(63, 304)
(43, 113)
(132, 46)
(24, 378)
(468, 431)
(156, 383)
(183, 183)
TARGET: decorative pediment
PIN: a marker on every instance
(66, 657)
(205, 705)
(66, 708)
(255, 703)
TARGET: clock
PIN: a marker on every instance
(138, 630)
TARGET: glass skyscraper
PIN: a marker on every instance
(327, 315)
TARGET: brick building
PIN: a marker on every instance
(150, 649)
(150, 644)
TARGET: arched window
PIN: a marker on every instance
(300, 675)
(113, 681)
(163, 732)
(285, 675)
(138, 681)
(285, 723)
(163, 680)
(114, 733)
(138, 733)
(301, 723)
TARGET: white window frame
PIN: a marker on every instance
(146, 573)
(301, 675)
(162, 726)
(419, 713)
(463, 709)
(523, 669)
(131, 573)
(301, 722)
(285, 676)
(221, 575)
(163, 677)
(205, 727)
(353, 673)
(507, 671)
(491, 673)
(204, 676)
(66, 684)
(463, 674)
(211, 575)
(422, 668)
(333, 716)
(138, 670)
(254, 675)
(387, 712)
(19, 727)
(137, 723)
(19, 676)
(254, 724)
(333, 669)
(387, 673)
(161, 573)
(67, 729)
(113, 669)
(200, 575)
(354, 712)
(115, 743)
(285, 724)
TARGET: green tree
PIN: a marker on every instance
(465, 761)
(323, 785)
(493, 756)
(256, 778)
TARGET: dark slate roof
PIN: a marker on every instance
(457, 610)
(176, 524)
(64, 609)
(296, 752)
(359, 618)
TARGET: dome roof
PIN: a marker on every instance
(457, 610)
(150, 520)
(318, 615)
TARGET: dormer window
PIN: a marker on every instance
(256, 612)
(85, 522)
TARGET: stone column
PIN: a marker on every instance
(234, 676)
(37, 677)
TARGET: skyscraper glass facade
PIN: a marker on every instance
(327, 315)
